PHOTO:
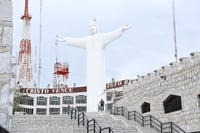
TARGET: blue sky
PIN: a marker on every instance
(147, 46)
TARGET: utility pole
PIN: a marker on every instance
(174, 26)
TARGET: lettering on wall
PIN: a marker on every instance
(117, 84)
(45, 91)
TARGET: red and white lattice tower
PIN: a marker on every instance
(24, 58)
(61, 72)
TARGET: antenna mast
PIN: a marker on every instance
(174, 26)
(40, 43)
(61, 71)
(24, 58)
(56, 49)
(35, 67)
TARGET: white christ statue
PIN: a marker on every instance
(95, 45)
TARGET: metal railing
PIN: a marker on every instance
(148, 120)
(73, 113)
(91, 125)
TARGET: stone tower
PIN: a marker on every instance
(7, 64)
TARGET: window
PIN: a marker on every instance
(41, 101)
(27, 110)
(81, 99)
(54, 111)
(26, 100)
(68, 100)
(65, 110)
(172, 103)
(40, 111)
(81, 109)
(54, 100)
(119, 94)
(145, 107)
(108, 96)
(109, 107)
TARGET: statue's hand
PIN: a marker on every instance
(126, 27)
(60, 39)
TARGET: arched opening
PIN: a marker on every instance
(172, 103)
(68, 100)
(54, 100)
(41, 100)
(26, 100)
(145, 107)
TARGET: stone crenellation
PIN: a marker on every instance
(180, 78)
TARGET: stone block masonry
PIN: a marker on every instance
(7, 73)
(178, 82)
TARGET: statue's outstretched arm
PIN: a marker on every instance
(126, 27)
(111, 36)
(77, 42)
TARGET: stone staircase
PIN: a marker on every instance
(117, 124)
(45, 124)
(145, 129)
(64, 124)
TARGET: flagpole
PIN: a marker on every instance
(174, 26)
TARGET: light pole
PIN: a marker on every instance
(113, 92)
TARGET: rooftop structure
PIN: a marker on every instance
(61, 73)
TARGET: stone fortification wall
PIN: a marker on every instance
(7, 70)
(180, 78)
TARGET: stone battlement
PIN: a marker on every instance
(170, 93)
(167, 70)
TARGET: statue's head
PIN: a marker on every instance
(93, 27)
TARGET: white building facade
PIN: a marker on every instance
(52, 101)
